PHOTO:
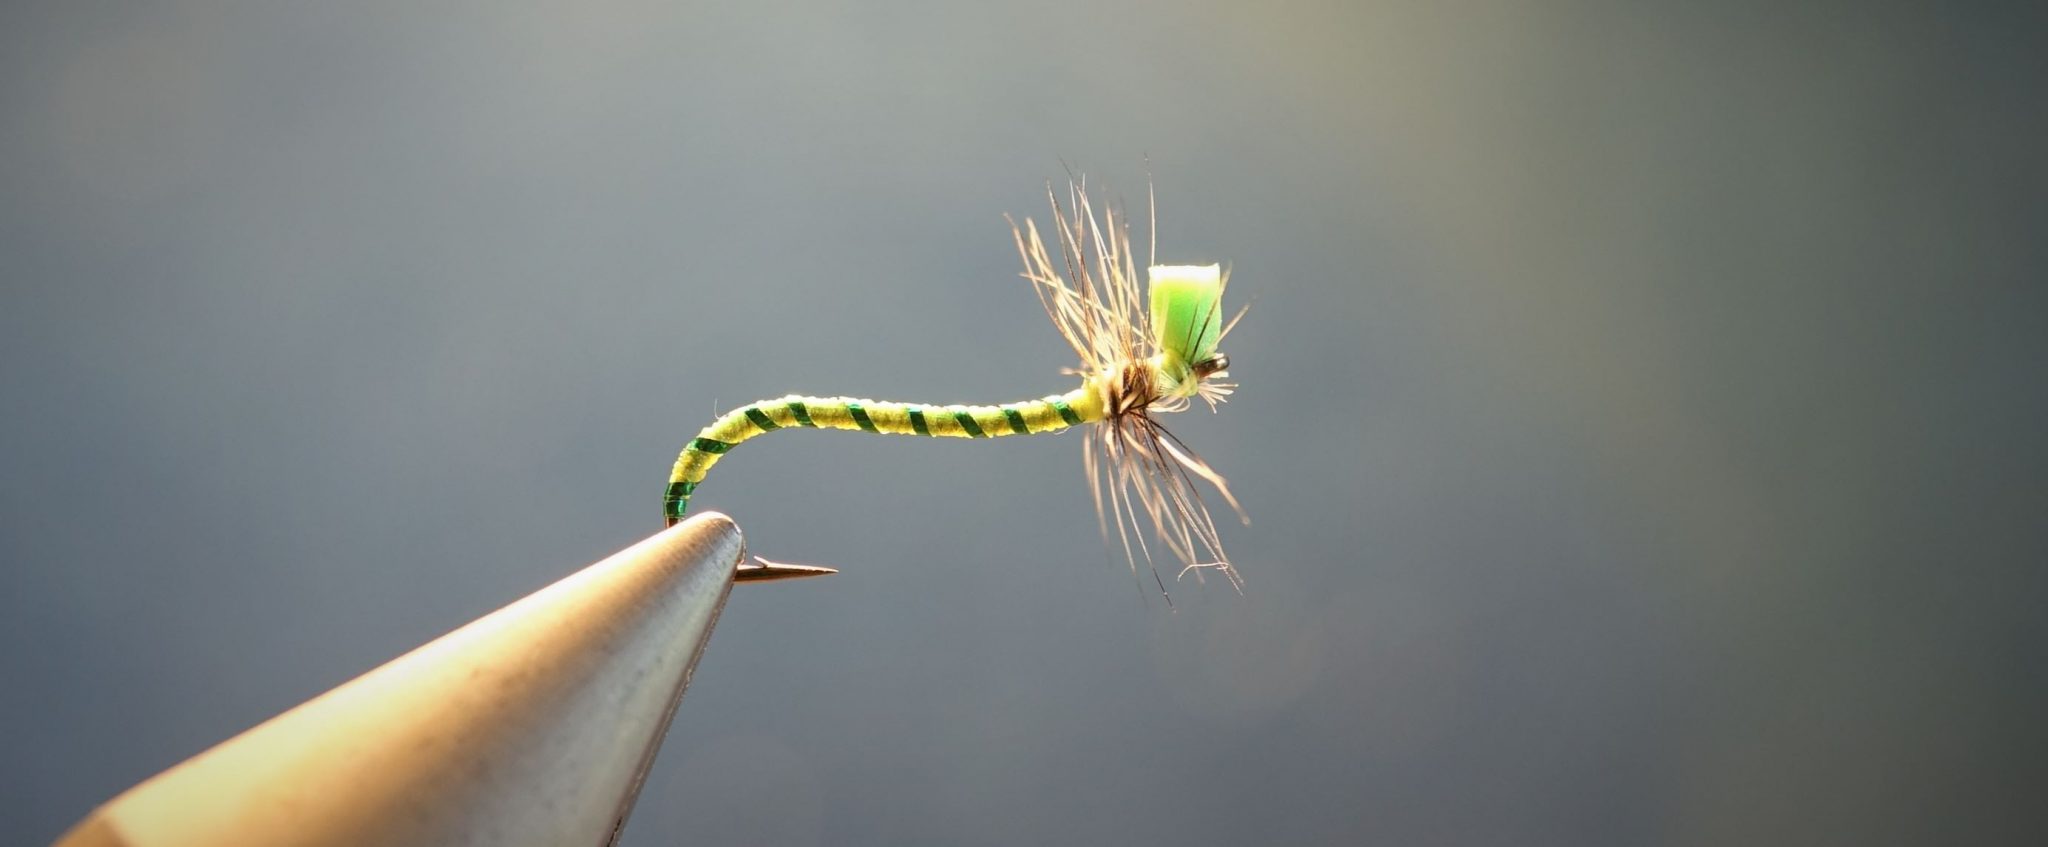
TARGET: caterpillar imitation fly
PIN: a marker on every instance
(1135, 364)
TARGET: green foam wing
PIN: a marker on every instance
(1187, 310)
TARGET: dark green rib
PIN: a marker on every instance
(1067, 413)
(860, 417)
(761, 419)
(1016, 421)
(677, 501)
(917, 421)
(967, 423)
(706, 445)
(803, 415)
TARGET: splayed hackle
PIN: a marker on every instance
(1143, 363)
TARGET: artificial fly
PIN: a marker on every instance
(1136, 363)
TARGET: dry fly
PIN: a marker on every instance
(1143, 354)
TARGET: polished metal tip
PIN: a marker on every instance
(762, 570)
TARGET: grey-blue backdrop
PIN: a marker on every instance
(1642, 411)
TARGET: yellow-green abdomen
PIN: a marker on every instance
(1031, 417)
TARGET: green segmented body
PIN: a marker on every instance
(1047, 414)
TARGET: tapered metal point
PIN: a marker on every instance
(532, 725)
(762, 570)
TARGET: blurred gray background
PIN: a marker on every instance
(1641, 415)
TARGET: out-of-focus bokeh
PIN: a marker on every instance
(1642, 412)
